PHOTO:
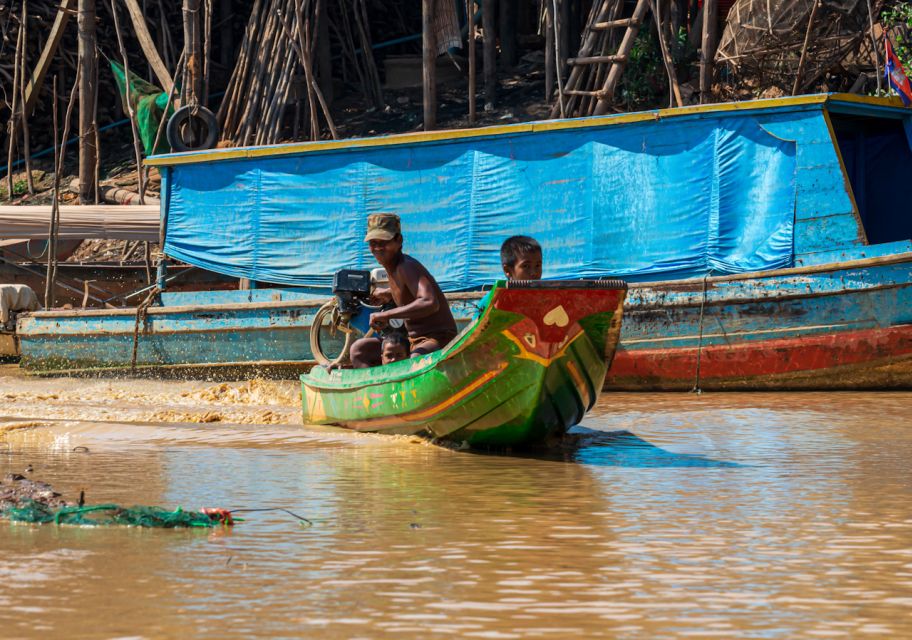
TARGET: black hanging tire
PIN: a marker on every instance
(189, 120)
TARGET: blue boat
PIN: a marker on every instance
(766, 243)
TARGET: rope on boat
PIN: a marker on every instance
(696, 388)
(141, 313)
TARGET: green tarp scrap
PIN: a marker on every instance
(148, 104)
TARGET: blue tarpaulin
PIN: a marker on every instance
(646, 201)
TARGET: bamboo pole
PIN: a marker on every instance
(55, 204)
(26, 144)
(549, 50)
(674, 90)
(874, 47)
(207, 38)
(88, 95)
(470, 35)
(428, 65)
(192, 88)
(60, 156)
(557, 25)
(61, 19)
(490, 43)
(140, 176)
(14, 112)
(804, 48)
(303, 13)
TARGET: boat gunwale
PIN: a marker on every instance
(477, 324)
(794, 103)
(895, 258)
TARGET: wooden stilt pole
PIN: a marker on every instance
(12, 128)
(26, 144)
(507, 28)
(470, 15)
(490, 53)
(549, 50)
(707, 49)
(191, 91)
(128, 103)
(428, 64)
(88, 95)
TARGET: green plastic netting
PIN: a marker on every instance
(149, 104)
(109, 514)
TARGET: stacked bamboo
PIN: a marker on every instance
(280, 38)
(163, 18)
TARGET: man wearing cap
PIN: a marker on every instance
(419, 300)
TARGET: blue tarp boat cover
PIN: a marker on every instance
(644, 201)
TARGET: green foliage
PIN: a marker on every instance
(644, 78)
(645, 81)
(897, 20)
(19, 188)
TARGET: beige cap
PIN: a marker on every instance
(382, 226)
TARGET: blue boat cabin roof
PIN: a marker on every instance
(726, 188)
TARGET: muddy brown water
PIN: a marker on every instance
(678, 516)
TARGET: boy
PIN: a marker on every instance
(395, 347)
(521, 258)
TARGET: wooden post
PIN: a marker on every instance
(470, 16)
(563, 33)
(490, 43)
(12, 127)
(549, 51)
(26, 143)
(88, 95)
(707, 49)
(429, 64)
(191, 90)
(226, 33)
(507, 26)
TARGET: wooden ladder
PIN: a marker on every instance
(595, 71)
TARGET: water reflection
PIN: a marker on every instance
(624, 449)
(731, 515)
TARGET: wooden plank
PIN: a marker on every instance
(148, 46)
(33, 86)
(597, 59)
(614, 24)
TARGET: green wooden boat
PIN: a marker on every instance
(527, 368)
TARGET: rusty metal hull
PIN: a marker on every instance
(845, 325)
(838, 326)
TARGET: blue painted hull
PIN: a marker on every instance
(755, 331)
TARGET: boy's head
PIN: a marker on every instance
(395, 347)
(521, 258)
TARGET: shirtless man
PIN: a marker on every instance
(419, 300)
